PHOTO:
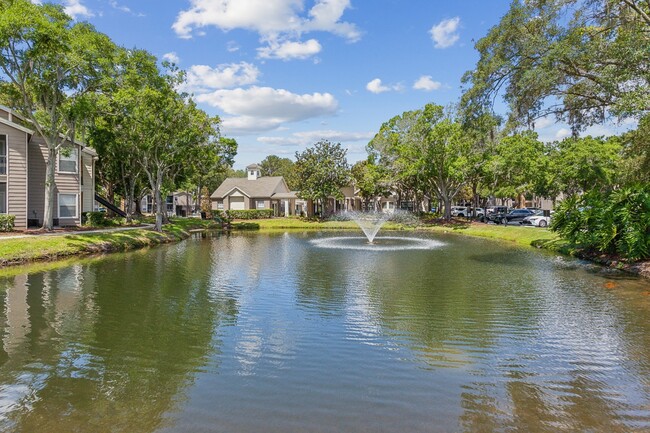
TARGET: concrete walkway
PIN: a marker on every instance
(78, 232)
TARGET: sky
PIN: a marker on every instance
(284, 74)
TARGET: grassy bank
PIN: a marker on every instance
(46, 247)
(526, 236)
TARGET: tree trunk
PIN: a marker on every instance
(48, 214)
(447, 202)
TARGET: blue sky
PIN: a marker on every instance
(283, 74)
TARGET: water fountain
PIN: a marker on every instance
(370, 223)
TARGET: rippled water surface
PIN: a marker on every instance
(276, 333)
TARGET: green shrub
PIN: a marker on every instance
(248, 214)
(616, 222)
(97, 219)
(7, 222)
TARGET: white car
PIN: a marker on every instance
(459, 211)
(537, 220)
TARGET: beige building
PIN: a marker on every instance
(23, 156)
(256, 192)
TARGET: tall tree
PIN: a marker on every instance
(428, 149)
(273, 165)
(584, 164)
(519, 163)
(579, 60)
(321, 171)
(49, 69)
(117, 133)
(371, 182)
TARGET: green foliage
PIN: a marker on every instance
(245, 214)
(615, 222)
(7, 222)
(96, 219)
(51, 68)
(273, 165)
(636, 149)
(322, 171)
(583, 164)
(580, 61)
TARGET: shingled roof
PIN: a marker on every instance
(262, 187)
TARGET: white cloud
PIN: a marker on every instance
(232, 46)
(426, 83)
(311, 137)
(203, 78)
(266, 17)
(444, 33)
(279, 23)
(290, 50)
(119, 7)
(376, 86)
(263, 108)
(562, 133)
(75, 9)
(171, 57)
(543, 122)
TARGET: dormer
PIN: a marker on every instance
(254, 171)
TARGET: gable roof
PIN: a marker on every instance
(84, 147)
(258, 188)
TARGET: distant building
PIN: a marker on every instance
(257, 192)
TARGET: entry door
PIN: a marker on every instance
(237, 203)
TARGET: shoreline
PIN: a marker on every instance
(24, 251)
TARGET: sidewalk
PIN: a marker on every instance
(77, 232)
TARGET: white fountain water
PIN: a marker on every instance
(369, 222)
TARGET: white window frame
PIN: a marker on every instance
(6, 203)
(220, 205)
(6, 154)
(75, 152)
(76, 206)
(257, 204)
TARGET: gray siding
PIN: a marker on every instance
(64, 183)
(16, 177)
(88, 187)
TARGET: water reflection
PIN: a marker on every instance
(108, 346)
(266, 332)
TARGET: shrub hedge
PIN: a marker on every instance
(7, 222)
(615, 222)
(248, 214)
(96, 219)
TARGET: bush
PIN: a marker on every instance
(97, 219)
(7, 222)
(616, 222)
(248, 214)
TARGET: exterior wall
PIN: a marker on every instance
(16, 177)
(64, 183)
(88, 187)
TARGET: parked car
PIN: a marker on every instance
(515, 215)
(459, 211)
(537, 219)
(496, 213)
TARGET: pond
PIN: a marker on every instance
(281, 332)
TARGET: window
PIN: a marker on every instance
(68, 160)
(67, 205)
(3, 154)
(259, 204)
(219, 205)
(3, 198)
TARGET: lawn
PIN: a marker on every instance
(46, 247)
(518, 234)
